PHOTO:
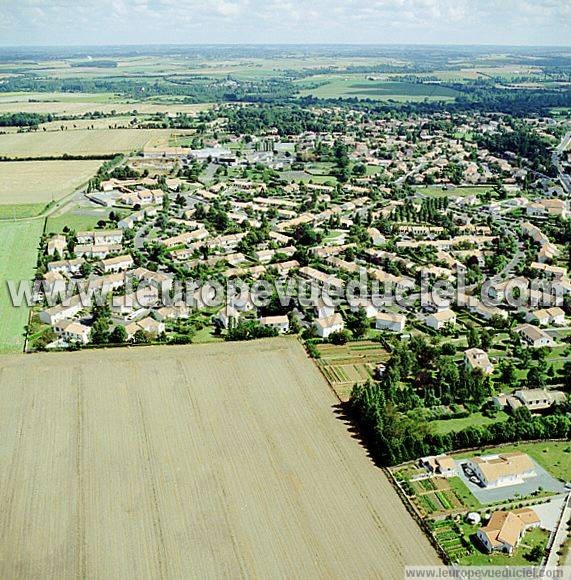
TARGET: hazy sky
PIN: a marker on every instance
(539, 22)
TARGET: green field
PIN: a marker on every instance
(40, 182)
(347, 86)
(443, 426)
(438, 191)
(81, 142)
(17, 211)
(18, 252)
(77, 222)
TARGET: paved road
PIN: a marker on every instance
(560, 537)
(564, 178)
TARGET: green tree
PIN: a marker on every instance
(358, 323)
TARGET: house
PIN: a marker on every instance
(53, 284)
(58, 244)
(324, 327)
(547, 316)
(476, 358)
(176, 312)
(96, 250)
(228, 316)
(148, 325)
(504, 530)
(186, 238)
(442, 465)
(279, 323)
(143, 297)
(66, 266)
(538, 399)
(68, 309)
(97, 237)
(438, 320)
(370, 309)
(503, 469)
(533, 336)
(117, 264)
(390, 321)
(377, 238)
(151, 326)
(158, 280)
(323, 308)
(72, 331)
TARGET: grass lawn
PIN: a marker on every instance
(447, 425)
(463, 493)
(205, 335)
(74, 221)
(461, 191)
(554, 456)
(18, 252)
(532, 538)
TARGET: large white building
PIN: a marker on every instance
(502, 470)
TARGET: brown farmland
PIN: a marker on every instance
(222, 460)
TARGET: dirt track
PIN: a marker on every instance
(210, 461)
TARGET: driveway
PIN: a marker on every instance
(549, 513)
(486, 496)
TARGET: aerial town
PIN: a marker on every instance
(284, 311)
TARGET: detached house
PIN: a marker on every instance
(390, 321)
(72, 331)
(505, 529)
(501, 470)
(117, 264)
(279, 323)
(438, 320)
(58, 244)
(533, 336)
(442, 465)
(547, 316)
(476, 358)
(68, 309)
(324, 327)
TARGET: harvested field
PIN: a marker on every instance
(206, 461)
(28, 103)
(80, 142)
(29, 182)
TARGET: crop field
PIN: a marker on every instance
(345, 365)
(96, 142)
(358, 86)
(208, 461)
(18, 249)
(39, 182)
(81, 103)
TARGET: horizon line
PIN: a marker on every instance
(286, 44)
